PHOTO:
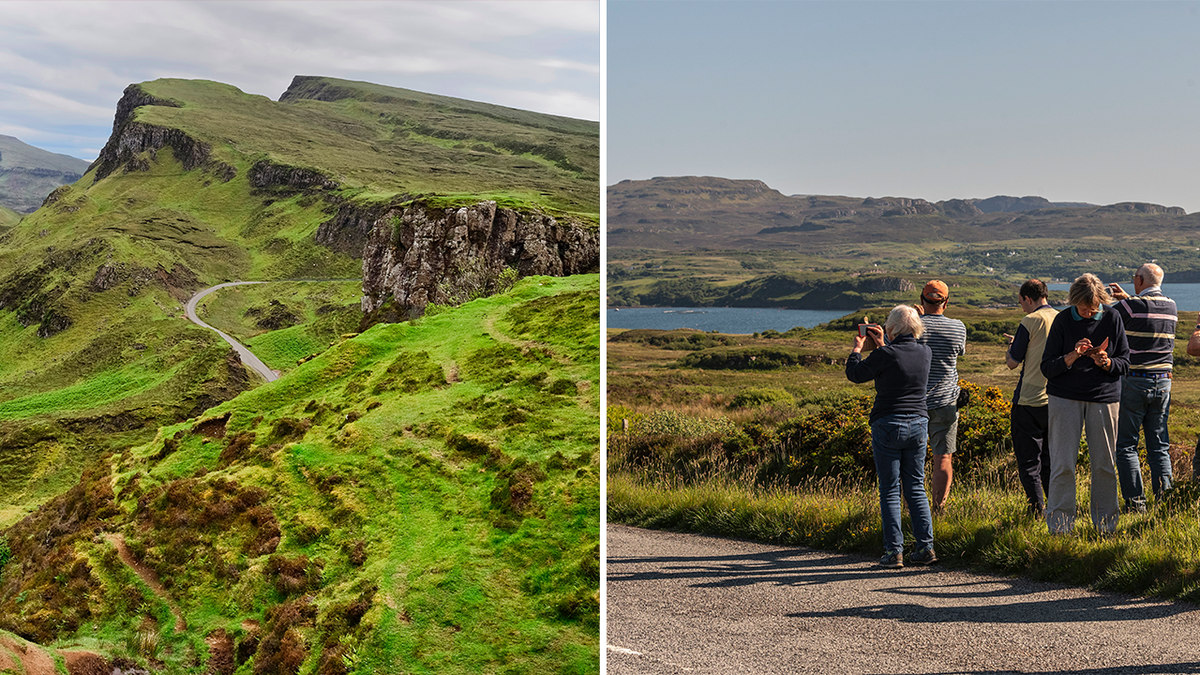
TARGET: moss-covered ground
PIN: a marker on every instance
(418, 498)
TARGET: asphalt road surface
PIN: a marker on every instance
(247, 358)
(681, 603)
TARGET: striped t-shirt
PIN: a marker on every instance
(947, 338)
(1149, 321)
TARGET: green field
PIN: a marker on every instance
(420, 498)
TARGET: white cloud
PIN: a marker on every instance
(66, 63)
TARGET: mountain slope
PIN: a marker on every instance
(691, 212)
(201, 183)
(28, 174)
(420, 498)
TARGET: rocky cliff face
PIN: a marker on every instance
(130, 138)
(417, 254)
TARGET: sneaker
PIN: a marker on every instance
(925, 556)
(892, 559)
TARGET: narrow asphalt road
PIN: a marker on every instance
(247, 358)
(681, 603)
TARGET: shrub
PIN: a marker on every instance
(753, 398)
(5, 553)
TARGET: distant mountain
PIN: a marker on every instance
(689, 212)
(28, 174)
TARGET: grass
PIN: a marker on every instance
(285, 322)
(984, 527)
(418, 498)
(394, 139)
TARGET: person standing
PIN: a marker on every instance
(1085, 356)
(947, 339)
(1029, 418)
(1149, 318)
(899, 429)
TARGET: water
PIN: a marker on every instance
(720, 319)
(1186, 296)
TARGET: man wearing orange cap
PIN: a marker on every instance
(947, 338)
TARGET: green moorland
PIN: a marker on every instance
(98, 353)
(761, 436)
(422, 497)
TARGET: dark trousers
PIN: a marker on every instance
(1029, 424)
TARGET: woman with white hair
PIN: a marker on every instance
(899, 428)
(1085, 356)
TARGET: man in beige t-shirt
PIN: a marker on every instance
(1029, 418)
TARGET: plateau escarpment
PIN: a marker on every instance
(418, 254)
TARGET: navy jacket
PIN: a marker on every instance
(1085, 381)
(900, 370)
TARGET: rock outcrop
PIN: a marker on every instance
(1006, 204)
(417, 254)
(901, 206)
(1142, 208)
(131, 138)
(960, 208)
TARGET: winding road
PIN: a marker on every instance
(248, 358)
(684, 603)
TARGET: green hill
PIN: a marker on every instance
(420, 498)
(202, 183)
(329, 194)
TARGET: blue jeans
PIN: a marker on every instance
(898, 442)
(1145, 404)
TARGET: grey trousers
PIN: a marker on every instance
(1099, 421)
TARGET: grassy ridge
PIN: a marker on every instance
(401, 143)
(419, 498)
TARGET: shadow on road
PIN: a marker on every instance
(1153, 669)
(928, 601)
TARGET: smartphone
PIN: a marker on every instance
(862, 328)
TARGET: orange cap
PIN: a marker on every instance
(935, 291)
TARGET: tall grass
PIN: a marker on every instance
(703, 487)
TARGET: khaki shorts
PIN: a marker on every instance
(943, 430)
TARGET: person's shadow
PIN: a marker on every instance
(995, 600)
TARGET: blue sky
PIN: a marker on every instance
(1072, 101)
(63, 65)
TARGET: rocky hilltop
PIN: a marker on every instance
(688, 212)
(28, 174)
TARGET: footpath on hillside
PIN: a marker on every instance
(686, 603)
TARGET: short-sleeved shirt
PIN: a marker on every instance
(947, 339)
(1027, 347)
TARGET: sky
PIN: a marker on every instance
(63, 65)
(1073, 101)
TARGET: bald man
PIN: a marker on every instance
(1149, 318)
